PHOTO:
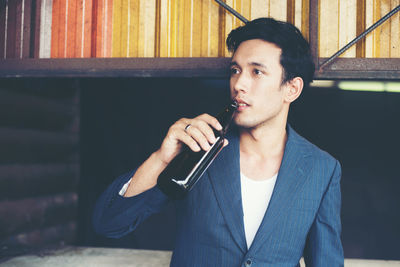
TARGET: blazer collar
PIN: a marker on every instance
(224, 175)
(292, 174)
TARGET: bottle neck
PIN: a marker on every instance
(226, 115)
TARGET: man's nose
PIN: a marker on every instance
(241, 83)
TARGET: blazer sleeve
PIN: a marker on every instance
(324, 246)
(115, 216)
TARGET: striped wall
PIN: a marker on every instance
(340, 21)
(164, 28)
(180, 28)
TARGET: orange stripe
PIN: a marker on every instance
(98, 27)
(157, 46)
(87, 29)
(62, 28)
(55, 29)
(361, 10)
(305, 18)
(71, 28)
(78, 29)
(290, 11)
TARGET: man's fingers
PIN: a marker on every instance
(226, 142)
(211, 121)
(196, 133)
(189, 141)
(206, 131)
(198, 136)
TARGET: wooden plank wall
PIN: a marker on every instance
(15, 30)
(340, 21)
(131, 28)
(39, 162)
(180, 28)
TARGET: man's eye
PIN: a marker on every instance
(257, 72)
(234, 71)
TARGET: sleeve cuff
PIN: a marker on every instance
(124, 188)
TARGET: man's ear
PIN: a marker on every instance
(294, 89)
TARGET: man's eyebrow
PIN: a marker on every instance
(258, 65)
(233, 63)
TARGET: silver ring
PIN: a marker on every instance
(187, 127)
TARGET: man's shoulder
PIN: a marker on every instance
(311, 149)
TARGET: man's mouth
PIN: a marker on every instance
(242, 104)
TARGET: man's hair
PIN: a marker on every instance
(296, 58)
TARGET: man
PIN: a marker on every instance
(270, 197)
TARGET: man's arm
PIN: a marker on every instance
(324, 246)
(199, 137)
(115, 215)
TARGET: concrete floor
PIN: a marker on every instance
(99, 257)
(96, 257)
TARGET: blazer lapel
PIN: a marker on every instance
(224, 175)
(292, 174)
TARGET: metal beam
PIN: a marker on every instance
(231, 10)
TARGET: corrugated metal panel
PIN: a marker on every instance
(385, 41)
(341, 20)
(186, 28)
(160, 28)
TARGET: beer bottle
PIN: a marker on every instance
(183, 172)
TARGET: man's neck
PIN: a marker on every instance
(265, 142)
(261, 151)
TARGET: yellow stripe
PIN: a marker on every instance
(369, 20)
(180, 24)
(174, 28)
(259, 8)
(205, 25)
(214, 31)
(197, 28)
(147, 27)
(385, 37)
(347, 25)
(164, 28)
(395, 31)
(278, 9)
(116, 34)
(377, 35)
(133, 28)
(125, 24)
(187, 28)
(229, 20)
(328, 27)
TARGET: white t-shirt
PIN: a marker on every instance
(255, 199)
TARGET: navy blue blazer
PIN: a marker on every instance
(302, 219)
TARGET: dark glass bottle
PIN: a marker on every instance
(186, 168)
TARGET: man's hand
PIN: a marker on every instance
(196, 133)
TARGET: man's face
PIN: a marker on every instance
(256, 83)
